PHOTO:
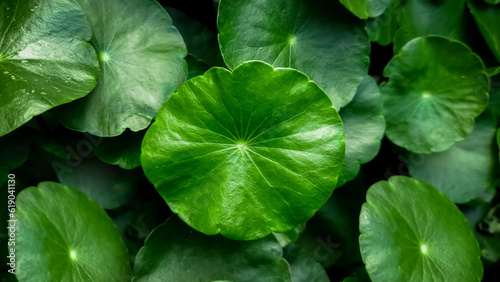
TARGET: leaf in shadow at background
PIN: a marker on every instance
(364, 9)
(175, 252)
(303, 265)
(123, 150)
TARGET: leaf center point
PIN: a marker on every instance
(241, 145)
(104, 57)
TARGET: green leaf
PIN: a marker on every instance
(123, 150)
(364, 129)
(487, 18)
(45, 59)
(467, 169)
(201, 42)
(364, 9)
(317, 37)
(412, 232)
(245, 153)
(65, 236)
(142, 63)
(435, 90)
(176, 251)
(420, 18)
(492, 2)
(331, 235)
(382, 28)
(195, 66)
(303, 265)
(108, 185)
(15, 147)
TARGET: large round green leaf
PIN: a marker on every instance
(142, 63)
(467, 169)
(364, 128)
(364, 9)
(435, 90)
(423, 17)
(175, 252)
(45, 59)
(487, 18)
(245, 153)
(65, 236)
(318, 37)
(412, 232)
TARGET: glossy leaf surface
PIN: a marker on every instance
(45, 59)
(283, 33)
(142, 63)
(245, 153)
(412, 232)
(435, 90)
(65, 236)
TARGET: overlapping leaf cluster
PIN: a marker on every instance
(154, 144)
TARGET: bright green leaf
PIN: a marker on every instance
(487, 18)
(364, 128)
(317, 37)
(364, 9)
(123, 150)
(412, 232)
(142, 63)
(303, 265)
(467, 169)
(65, 236)
(45, 59)
(435, 90)
(175, 252)
(245, 153)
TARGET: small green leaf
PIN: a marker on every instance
(45, 59)
(175, 252)
(467, 169)
(492, 2)
(303, 265)
(412, 232)
(65, 236)
(245, 153)
(436, 88)
(195, 66)
(364, 9)
(487, 18)
(142, 63)
(364, 127)
(318, 37)
(382, 28)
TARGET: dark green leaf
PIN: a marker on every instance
(318, 37)
(467, 169)
(175, 252)
(65, 236)
(245, 153)
(364, 127)
(45, 59)
(303, 265)
(487, 18)
(382, 28)
(195, 66)
(142, 63)
(412, 232)
(436, 88)
(123, 150)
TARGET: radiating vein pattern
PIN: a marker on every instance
(245, 153)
